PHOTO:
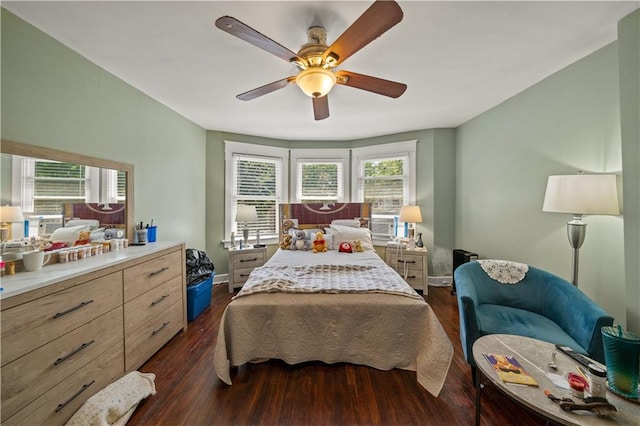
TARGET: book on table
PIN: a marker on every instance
(509, 369)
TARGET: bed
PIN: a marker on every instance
(332, 307)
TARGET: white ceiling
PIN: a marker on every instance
(458, 58)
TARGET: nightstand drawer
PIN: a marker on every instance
(413, 262)
(248, 260)
(242, 262)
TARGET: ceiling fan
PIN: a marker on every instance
(317, 61)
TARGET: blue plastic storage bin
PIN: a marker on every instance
(199, 297)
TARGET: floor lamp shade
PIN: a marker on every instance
(580, 194)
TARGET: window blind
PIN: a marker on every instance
(256, 181)
(319, 181)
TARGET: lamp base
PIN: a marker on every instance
(576, 232)
(245, 236)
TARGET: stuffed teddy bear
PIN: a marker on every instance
(110, 233)
(285, 244)
(300, 241)
(357, 246)
(319, 244)
(83, 238)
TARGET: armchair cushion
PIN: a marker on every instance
(542, 305)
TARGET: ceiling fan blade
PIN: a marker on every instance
(371, 84)
(248, 34)
(267, 88)
(374, 22)
(321, 107)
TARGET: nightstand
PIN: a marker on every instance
(242, 262)
(411, 265)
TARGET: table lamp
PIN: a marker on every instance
(411, 215)
(580, 194)
(9, 215)
(246, 214)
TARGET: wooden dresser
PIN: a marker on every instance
(411, 265)
(71, 329)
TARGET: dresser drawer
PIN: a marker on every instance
(49, 317)
(141, 278)
(35, 373)
(152, 304)
(71, 393)
(152, 334)
(248, 260)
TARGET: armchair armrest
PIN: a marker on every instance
(467, 308)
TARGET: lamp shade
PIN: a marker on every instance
(11, 214)
(246, 213)
(410, 214)
(582, 194)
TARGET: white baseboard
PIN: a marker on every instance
(440, 281)
(221, 279)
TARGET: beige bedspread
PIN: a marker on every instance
(378, 330)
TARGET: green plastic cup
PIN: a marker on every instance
(622, 357)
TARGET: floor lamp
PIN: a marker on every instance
(580, 194)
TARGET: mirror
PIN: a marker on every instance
(105, 191)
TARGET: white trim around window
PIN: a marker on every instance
(301, 157)
(261, 153)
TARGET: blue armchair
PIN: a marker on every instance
(541, 305)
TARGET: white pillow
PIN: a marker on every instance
(353, 223)
(348, 234)
(68, 234)
(92, 223)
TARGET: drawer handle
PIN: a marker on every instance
(159, 300)
(411, 277)
(68, 311)
(248, 260)
(77, 394)
(406, 261)
(164, 268)
(244, 275)
(66, 357)
(160, 329)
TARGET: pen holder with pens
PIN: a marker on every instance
(140, 236)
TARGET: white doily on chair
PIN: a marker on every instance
(504, 271)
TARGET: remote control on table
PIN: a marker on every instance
(582, 359)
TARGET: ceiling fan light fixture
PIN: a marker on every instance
(316, 82)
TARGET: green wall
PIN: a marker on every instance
(629, 48)
(567, 123)
(55, 98)
(432, 145)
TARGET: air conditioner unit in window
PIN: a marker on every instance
(382, 227)
(47, 226)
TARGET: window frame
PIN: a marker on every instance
(258, 151)
(320, 155)
(360, 155)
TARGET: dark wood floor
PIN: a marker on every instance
(274, 393)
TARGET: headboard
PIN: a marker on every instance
(320, 215)
(112, 217)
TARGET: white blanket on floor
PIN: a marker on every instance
(115, 404)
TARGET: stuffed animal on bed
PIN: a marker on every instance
(300, 241)
(345, 247)
(83, 238)
(319, 244)
(285, 244)
(357, 246)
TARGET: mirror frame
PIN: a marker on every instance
(27, 150)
